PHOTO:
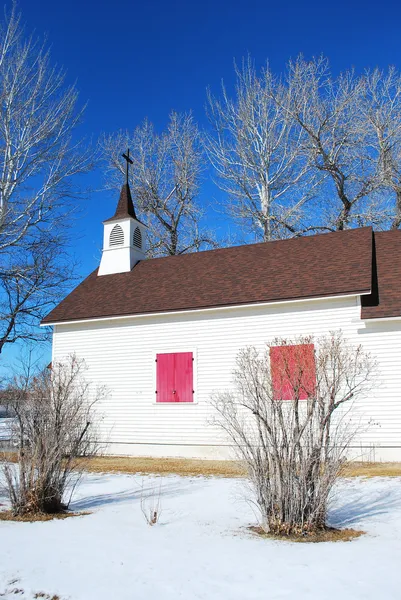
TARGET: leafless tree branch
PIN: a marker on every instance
(165, 180)
(257, 151)
(39, 161)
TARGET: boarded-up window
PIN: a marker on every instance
(174, 377)
(293, 371)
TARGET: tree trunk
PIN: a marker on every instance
(397, 219)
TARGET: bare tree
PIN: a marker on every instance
(329, 111)
(55, 426)
(39, 160)
(257, 150)
(292, 427)
(381, 107)
(165, 179)
(31, 281)
(310, 151)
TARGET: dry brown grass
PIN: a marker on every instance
(164, 466)
(7, 515)
(221, 468)
(9, 456)
(374, 469)
(327, 535)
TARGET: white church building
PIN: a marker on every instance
(163, 334)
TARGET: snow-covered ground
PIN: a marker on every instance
(200, 549)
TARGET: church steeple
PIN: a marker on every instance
(124, 235)
(125, 206)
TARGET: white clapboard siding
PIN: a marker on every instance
(120, 354)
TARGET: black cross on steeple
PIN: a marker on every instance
(129, 162)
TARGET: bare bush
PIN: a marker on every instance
(151, 503)
(55, 427)
(293, 425)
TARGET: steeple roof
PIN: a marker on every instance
(125, 207)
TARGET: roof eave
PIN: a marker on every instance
(125, 218)
(208, 308)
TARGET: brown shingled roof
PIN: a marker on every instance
(125, 206)
(316, 266)
(385, 300)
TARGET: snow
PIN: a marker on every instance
(201, 548)
(5, 429)
(7, 421)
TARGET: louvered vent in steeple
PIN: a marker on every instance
(117, 236)
(137, 240)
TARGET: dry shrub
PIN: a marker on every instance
(55, 425)
(294, 448)
(151, 503)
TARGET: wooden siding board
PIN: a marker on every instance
(127, 368)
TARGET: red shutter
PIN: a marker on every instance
(164, 377)
(293, 371)
(174, 378)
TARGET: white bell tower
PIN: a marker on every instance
(124, 237)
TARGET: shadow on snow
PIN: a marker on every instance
(362, 506)
(120, 497)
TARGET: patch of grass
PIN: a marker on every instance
(330, 534)
(222, 468)
(164, 466)
(9, 456)
(194, 467)
(371, 469)
(7, 515)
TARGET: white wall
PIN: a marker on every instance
(121, 259)
(120, 354)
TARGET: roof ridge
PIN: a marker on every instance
(255, 244)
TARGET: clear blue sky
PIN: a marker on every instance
(133, 59)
